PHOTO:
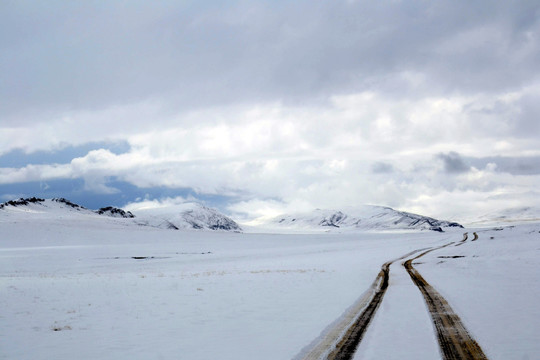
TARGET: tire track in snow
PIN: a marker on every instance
(340, 341)
(465, 237)
(454, 339)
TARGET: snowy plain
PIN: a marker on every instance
(78, 287)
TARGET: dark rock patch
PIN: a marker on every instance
(68, 203)
(22, 202)
(115, 212)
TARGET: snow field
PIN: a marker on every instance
(70, 288)
(494, 288)
(73, 290)
(401, 328)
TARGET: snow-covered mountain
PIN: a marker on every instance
(367, 217)
(43, 207)
(518, 215)
(58, 206)
(194, 216)
(184, 216)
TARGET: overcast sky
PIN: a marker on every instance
(262, 107)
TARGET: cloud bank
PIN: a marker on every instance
(427, 107)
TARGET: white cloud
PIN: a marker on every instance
(143, 204)
(34, 173)
(304, 156)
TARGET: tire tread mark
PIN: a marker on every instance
(344, 345)
(454, 339)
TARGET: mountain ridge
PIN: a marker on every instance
(188, 216)
(366, 217)
(195, 216)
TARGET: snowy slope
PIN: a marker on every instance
(367, 217)
(519, 215)
(35, 207)
(136, 292)
(184, 216)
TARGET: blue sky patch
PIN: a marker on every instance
(74, 190)
(18, 158)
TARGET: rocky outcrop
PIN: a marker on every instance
(22, 202)
(115, 212)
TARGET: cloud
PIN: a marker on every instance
(453, 163)
(34, 173)
(142, 204)
(93, 56)
(382, 168)
(65, 153)
(325, 157)
(524, 165)
(278, 105)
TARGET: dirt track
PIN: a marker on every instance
(341, 341)
(346, 348)
(454, 339)
(465, 237)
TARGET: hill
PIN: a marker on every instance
(190, 216)
(367, 217)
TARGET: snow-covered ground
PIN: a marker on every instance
(494, 287)
(492, 283)
(101, 288)
(510, 216)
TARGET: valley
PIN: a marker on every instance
(90, 286)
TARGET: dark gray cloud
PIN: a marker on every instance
(83, 55)
(453, 163)
(527, 121)
(524, 165)
(382, 168)
(504, 118)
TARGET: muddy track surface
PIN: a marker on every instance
(454, 339)
(346, 348)
(465, 237)
(340, 342)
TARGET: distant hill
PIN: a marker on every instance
(185, 216)
(517, 215)
(367, 217)
(194, 216)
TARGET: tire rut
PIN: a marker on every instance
(454, 339)
(346, 348)
(465, 237)
(342, 340)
